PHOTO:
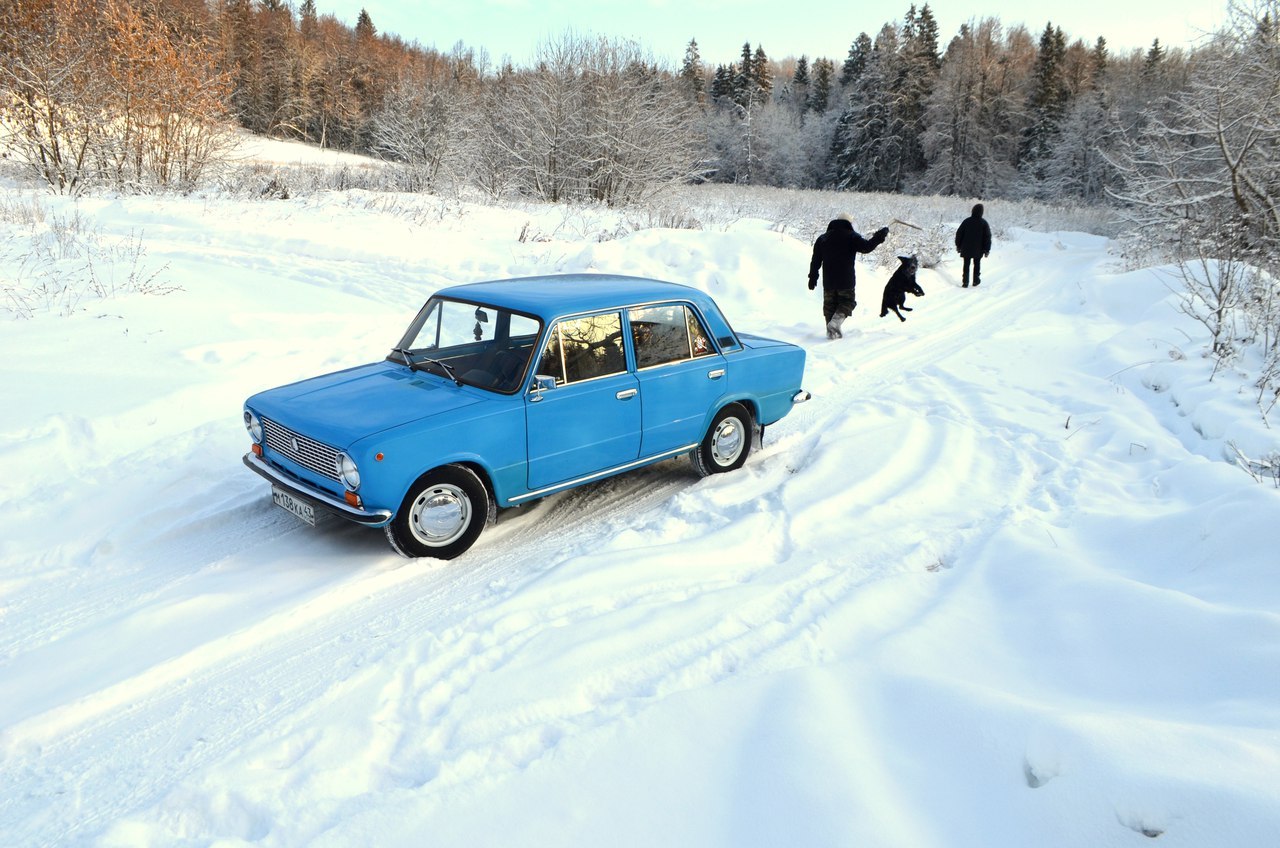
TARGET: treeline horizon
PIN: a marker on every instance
(983, 115)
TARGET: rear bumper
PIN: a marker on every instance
(315, 497)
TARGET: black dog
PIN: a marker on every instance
(900, 284)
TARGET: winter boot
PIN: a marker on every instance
(833, 326)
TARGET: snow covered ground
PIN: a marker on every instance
(995, 585)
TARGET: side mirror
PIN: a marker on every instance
(541, 383)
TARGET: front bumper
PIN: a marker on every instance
(315, 497)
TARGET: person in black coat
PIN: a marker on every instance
(834, 252)
(973, 241)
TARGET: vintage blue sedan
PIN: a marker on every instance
(503, 392)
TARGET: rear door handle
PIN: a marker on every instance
(626, 393)
(716, 374)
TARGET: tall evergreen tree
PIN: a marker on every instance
(722, 83)
(364, 26)
(867, 150)
(1151, 64)
(1046, 104)
(800, 84)
(1099, 60)
(692, 74)
(856, 62)
(761, 75)
(744, 80)
(925, 43)
(820, 89)
(918, 74)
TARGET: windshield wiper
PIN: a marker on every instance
(444, 366)
(408, 360)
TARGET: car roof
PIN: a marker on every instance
(561, 294)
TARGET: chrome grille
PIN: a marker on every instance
(307, 452)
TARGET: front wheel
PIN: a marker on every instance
(442, 515)
(727, 442)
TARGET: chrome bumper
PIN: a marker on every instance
(801, 396)
(315, 497)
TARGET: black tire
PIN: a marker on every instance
(442, 515)
(727, 442)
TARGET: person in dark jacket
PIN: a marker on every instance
(834, 252)
(973, 240)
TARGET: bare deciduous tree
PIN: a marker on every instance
(96, 91)
(51, 90)
(593, 120)
(1204, 173)
(426, 124)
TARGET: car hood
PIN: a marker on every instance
(338, 409)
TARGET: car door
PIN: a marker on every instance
(682, 376)
(589, 420)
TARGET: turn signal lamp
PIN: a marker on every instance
(257, 450)
(354, 500)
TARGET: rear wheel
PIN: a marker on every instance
(442, 515)
(727, 442)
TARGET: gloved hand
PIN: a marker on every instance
(813, 284)
(883, 232)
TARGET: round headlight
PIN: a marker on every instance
(253, 425)
(347, 472)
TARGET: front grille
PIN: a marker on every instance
(308, 453)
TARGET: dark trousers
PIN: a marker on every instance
(977, 270)
(837, 300)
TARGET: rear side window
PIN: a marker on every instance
(668, 333)
(584, 349)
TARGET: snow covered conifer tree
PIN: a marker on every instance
(867, 151)
(820, 87)
(692, 74)
(1077, 166)
(1046, 105)
(800, 84)
(744, 79)
(856, 62)
(761, 75)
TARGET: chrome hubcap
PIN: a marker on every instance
(440, 515)
(727, 441)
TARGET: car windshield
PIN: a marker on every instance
(470, 343)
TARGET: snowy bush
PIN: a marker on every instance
(62, 261)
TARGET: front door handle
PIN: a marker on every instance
(716, 374)
(626, 393)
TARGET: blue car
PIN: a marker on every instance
(503, 392)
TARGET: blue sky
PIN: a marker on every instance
(785, 28)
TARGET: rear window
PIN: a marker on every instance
(668, 333)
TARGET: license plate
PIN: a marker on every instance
(288, 502)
